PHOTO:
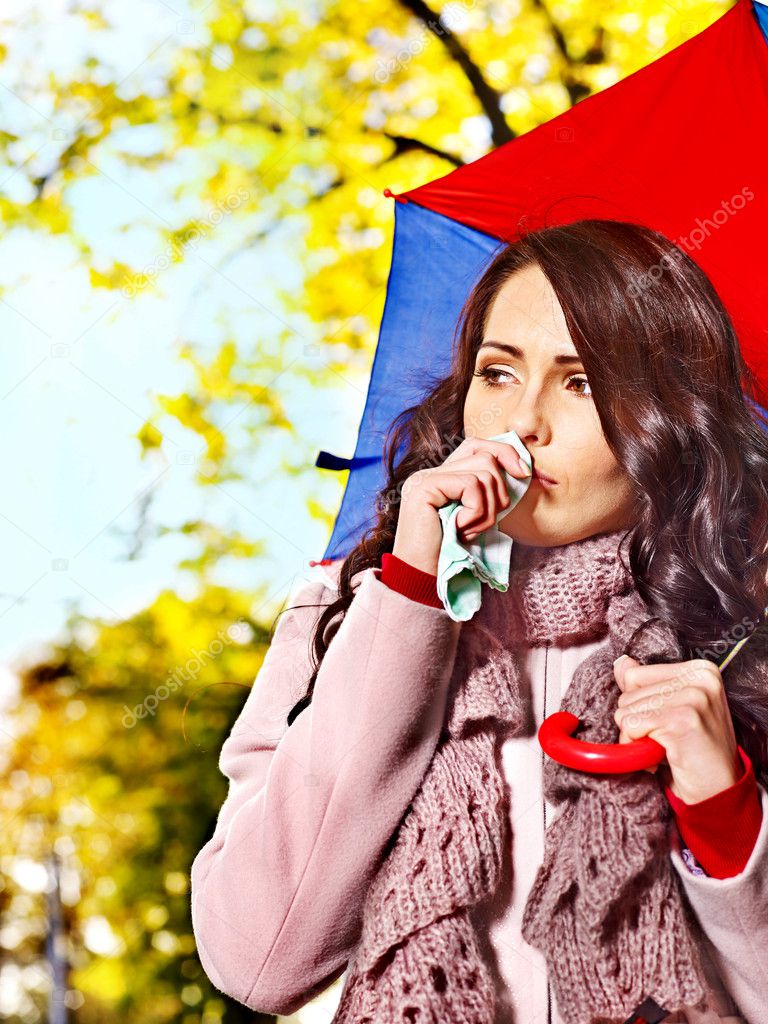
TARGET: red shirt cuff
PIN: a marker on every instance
(721, 831)
(408, 580)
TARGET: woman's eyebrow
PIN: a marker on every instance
(563, 359)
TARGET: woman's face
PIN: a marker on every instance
(548, 405)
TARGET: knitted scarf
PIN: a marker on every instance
(606, 909)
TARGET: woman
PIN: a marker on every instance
(392, 824)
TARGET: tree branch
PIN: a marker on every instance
(576, 86)
(404, 144)
(489, 98)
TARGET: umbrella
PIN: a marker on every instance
(680, 145)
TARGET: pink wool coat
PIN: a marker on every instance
(277, 891)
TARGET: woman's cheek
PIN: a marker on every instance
(482, 418)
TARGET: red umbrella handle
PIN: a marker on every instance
(555, 737)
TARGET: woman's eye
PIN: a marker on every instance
(581, 380)
(490, 376)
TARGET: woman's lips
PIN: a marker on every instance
(547, 481)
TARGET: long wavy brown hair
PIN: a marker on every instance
(674, 396)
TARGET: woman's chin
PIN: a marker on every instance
(524, 530)
(536, 528)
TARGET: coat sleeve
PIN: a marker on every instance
(277, 891)
(733, 914)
